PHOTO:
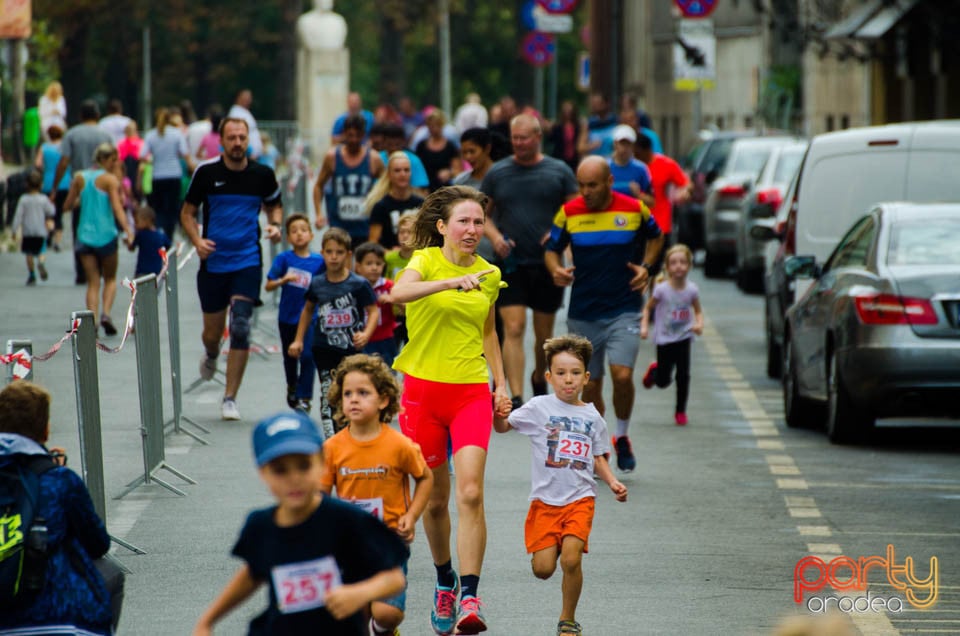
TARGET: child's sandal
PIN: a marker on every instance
(569, 627)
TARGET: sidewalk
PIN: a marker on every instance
(650, 560)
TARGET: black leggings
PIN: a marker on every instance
(675, 354)
(165, 201)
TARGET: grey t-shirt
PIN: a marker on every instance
(526, 198)
(80, 142)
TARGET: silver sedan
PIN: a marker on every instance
(877, 334)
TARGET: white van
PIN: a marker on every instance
(843, 175)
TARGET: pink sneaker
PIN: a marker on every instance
(648, 376)
(680, 419)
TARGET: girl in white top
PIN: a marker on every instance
(678, 319)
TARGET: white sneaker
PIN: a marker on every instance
(229, 410)
(208, 366)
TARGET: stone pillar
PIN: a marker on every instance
(323, 74)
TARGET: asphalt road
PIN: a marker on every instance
(719, 513)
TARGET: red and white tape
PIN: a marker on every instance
(127, 323)
(22, 361)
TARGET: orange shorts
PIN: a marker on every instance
(547, 525)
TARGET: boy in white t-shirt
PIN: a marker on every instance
(570, 444)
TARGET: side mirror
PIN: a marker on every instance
(801, 267)
(763, 233)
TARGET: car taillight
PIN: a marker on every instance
(769, 197)
(732, 191)
(888, 309)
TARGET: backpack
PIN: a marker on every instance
(23, 535)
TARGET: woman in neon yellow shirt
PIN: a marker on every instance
(450, 294)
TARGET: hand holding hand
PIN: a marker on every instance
(502, 403)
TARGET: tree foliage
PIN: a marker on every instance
(205, 50)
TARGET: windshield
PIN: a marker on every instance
(749, 161)
(788, 165)
(929, 241)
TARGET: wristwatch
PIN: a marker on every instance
(648, 267)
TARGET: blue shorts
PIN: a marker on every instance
(217, 288)
(400, 600)
(617, 339)
(386, 349)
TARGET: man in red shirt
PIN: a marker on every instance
(665, 175)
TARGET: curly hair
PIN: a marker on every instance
(380, 376)
(437, 207)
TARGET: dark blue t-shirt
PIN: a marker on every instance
(231, 201)
(292, 293)
(340, 310)
(337, 538)
(149, 242)
(635, 171)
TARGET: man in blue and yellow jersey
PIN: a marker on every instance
(604, 230)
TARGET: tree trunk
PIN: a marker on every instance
(287, 60)
(392, 77)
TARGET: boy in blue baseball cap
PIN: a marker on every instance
(325, 560)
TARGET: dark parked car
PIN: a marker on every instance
(878, 333)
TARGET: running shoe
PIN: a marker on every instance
(292, 397)
(626, 462)
(648, 376)
(229, 410)
(539, 388)
(680, 419)
(569, 627)
(303, 406)
(31, 280)
(443, 616)
(43, 271)
(375, 632)
(108, 327)
(470, 617)
(208, 366)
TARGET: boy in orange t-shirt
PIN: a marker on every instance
(369, 463)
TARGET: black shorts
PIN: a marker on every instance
(531, 286)
(100, 251)
(32, 245)
(217, 288)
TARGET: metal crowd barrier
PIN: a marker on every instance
(171, 286)
(150, 384)
(87, 381)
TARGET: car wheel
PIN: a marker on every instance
(798, 410)
(774, 355)
(845, 422)
(752, 281)
(713, 265)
